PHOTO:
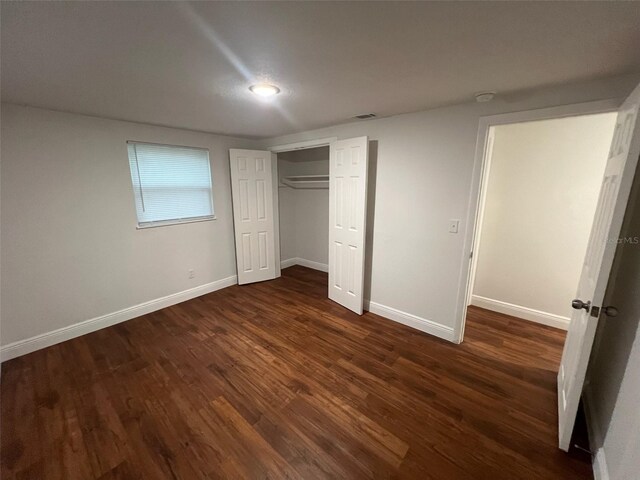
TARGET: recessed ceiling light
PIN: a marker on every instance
(264, 89)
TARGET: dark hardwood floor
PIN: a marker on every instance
(273, 380)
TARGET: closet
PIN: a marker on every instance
(303, 204)
(303, 198)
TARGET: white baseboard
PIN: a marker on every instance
(323, 267)
(410, 320)
(289, 262)
(22, 347)
(594, 429)
(389, 313)
(549, 319)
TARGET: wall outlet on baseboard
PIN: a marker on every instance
(192, 273)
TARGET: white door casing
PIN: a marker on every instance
(612, 202)
(253, 214)
(348, 170)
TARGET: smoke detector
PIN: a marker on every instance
(483, 97)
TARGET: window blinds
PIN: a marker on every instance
(171, 184)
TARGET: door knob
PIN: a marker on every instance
(610, 311)
(579, 304)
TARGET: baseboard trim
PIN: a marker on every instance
(22, 347)
(290, 262)
(549, 319)
(323, 267)
(419, 323)
(389, 313)
(599, 463)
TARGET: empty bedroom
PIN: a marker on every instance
(319, 240)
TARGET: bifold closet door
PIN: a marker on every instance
(254, 215)
(347, 221)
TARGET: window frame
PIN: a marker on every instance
(175, 221)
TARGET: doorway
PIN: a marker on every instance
(479, 182)
(612, 199)
(303, 205)
(541, 188)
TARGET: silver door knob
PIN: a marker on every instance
(579, 304)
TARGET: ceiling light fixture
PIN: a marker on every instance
(264, 90)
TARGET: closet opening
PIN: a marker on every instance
(303, 205)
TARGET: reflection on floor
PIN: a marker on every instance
(274, 380)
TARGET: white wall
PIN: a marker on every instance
(312, 225)
(304, 230)
(70, 247)
(422, 169)
(613, 387)
(541, 197)
(71, 252)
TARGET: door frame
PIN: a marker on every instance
(289, 147)
(479, 181)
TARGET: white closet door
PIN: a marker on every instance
(347, 220)
(253, 215)
(614, 194)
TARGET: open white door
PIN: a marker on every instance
(614, 194)
(253, 215)
(348, 169)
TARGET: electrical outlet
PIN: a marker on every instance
(192, 274)
(454, 225)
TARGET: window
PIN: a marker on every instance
(170, 184)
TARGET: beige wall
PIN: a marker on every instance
(70, 247)
(543, 186)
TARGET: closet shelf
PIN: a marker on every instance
(306, 181)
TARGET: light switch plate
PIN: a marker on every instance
(454, 225)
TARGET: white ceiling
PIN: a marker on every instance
(189, 65)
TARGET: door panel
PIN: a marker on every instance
(347, 221)
(612, 202)
(253, 215)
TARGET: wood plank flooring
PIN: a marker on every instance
(275, 381)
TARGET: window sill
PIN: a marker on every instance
(166, 223)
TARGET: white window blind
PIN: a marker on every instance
(171, 184)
